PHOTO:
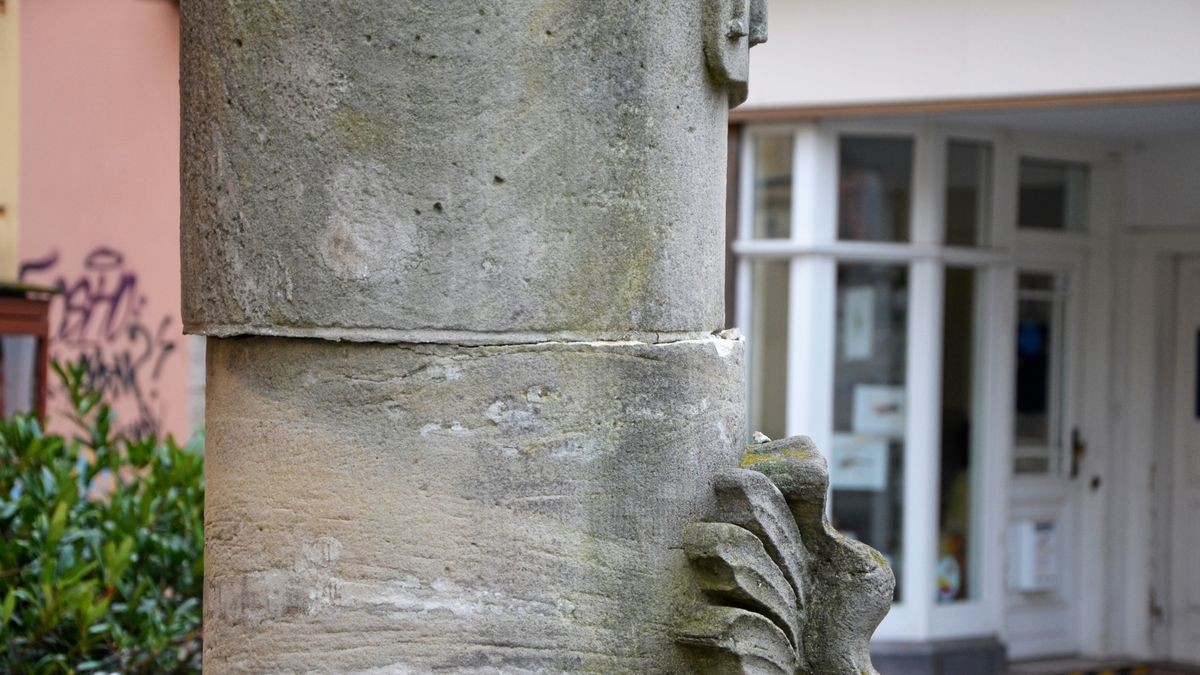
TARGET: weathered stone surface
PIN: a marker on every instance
(733, 641)
(732, 565)
(851, 585)
(843, 588)
(452, 171)
(409, 508)
(731, 28)
(749, 499)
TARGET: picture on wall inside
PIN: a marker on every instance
(858, 463)
(879, 410)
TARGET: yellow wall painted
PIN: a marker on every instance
(9, 134)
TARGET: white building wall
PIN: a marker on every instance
(1163, 181)
(854, 51)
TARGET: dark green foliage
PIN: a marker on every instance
(95, 579)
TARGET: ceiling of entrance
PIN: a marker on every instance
(1113, 121)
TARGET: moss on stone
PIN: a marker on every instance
(750, 460)
(359, 132)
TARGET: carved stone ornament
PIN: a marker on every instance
(789, 593)
(731, 28)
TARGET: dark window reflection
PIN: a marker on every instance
(867, 454)
(874, 188)
(1052, 195)
(955, 562)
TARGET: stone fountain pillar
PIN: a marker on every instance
(461, 267)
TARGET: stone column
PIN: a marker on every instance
(461, 267)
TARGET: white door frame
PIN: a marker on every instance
(1181, 546)
(1141, 427)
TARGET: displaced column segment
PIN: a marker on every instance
(438, 171)
(434, 507)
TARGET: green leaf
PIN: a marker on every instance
(7, 607)
(58, 522)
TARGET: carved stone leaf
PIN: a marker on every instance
(749, 499)
(850, 589)
(732, 565)
(732, 640)
(773, 536)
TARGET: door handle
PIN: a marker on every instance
(1078, 450)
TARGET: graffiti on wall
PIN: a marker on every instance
(100, 318)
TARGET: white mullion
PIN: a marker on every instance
(921, 440)
(825, 224)
(924, 378)
(812, 285)
(811, 327)
(743, 297)
(746, 187)
(928, 205)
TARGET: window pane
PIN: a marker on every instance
(767, 335)
(874, 188)
(956, 565)
(867, 457)
(1053, 195)
(1040, 305)
(18, 355)
(773, 186)
(968, 192)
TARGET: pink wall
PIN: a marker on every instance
(99, 186)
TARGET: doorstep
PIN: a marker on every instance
(1081, 666)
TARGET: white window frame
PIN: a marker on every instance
(814, 253)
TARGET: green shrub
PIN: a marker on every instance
(101, 546)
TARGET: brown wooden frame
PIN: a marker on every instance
(30, 316)
(937, 106)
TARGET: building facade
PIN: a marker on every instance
(89, 198)
(964, 248)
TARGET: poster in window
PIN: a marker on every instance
(879, 410)
(858, 323)
(858, 463)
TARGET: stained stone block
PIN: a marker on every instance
(454, 171)
(408, 508)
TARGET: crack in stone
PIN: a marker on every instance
(464, 338)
